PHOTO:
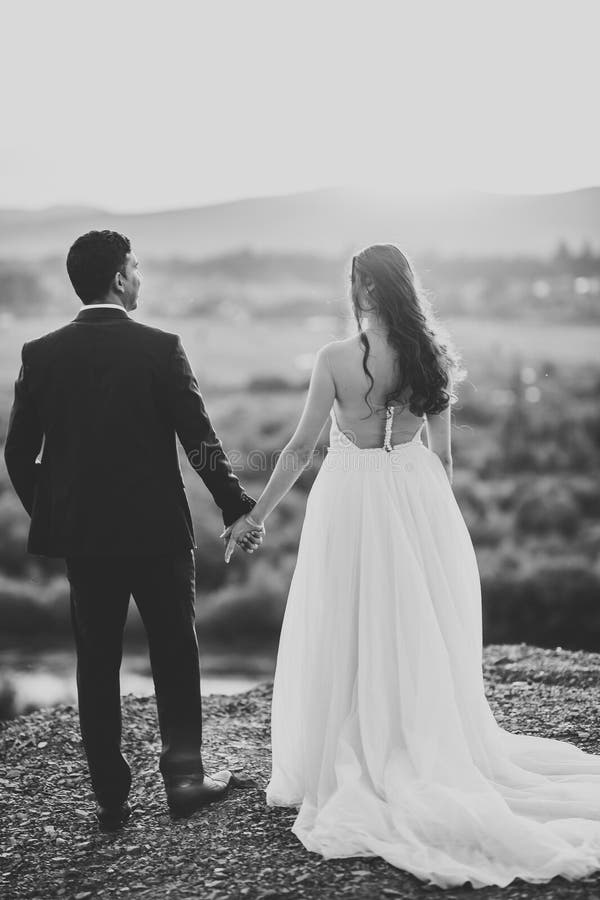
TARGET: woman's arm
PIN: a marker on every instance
(438, 434)
(299, 450)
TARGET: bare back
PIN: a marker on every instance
(351, 383)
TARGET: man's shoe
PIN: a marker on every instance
(187, 794)
(111, 818)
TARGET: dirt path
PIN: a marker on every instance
(241, 848)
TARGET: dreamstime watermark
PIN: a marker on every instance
(345, 458)
(211, 459)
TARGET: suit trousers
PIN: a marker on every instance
(163, 588)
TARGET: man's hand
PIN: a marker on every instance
(248, 536)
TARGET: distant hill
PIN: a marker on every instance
(330, 222)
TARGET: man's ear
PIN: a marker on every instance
(118, 283)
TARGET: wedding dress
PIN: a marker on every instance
(382, 736)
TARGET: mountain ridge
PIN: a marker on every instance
(330, 221)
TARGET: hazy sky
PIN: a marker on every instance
(138, 104)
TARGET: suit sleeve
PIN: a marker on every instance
(24, 437)
(202, 446)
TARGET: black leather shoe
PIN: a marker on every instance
(187, 794)
(111, 818)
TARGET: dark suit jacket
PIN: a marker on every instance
(107, 396)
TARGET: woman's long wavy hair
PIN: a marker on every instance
(425, 355)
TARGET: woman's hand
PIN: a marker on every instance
(248, 536)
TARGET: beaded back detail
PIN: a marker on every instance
(389, 421)
(340, 441)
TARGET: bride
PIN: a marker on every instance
(382, 737)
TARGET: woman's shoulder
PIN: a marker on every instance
(340, 349)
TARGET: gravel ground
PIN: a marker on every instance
(241, 848)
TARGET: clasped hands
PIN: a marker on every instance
(246, 532)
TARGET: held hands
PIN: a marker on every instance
(245, 532)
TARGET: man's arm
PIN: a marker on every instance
(24, 437)
(202, 446)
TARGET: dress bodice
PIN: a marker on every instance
(340, 441)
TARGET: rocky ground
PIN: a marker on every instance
(241, 848)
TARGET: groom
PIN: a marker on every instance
(101, 401)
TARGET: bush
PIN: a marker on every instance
(547, 505)
(14, 528)
(554, 603)
(251, 609)
(28, 608)
(586, 491)
(8, 699)
(266, 383)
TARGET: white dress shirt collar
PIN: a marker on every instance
(103, 306)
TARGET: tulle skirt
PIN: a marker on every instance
(382, 736)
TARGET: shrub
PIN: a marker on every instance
(29, 608)
(14, 527)
(547, 505)
(251, 609)
(8, 699)
(553, 603)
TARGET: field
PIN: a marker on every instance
(227, 354)
(526, 448)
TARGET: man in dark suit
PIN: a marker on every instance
(103, 399)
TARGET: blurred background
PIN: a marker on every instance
(248, 150)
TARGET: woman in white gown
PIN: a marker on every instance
(382, 736)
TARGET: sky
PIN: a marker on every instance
(141, 105)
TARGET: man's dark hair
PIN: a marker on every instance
(93, 261)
